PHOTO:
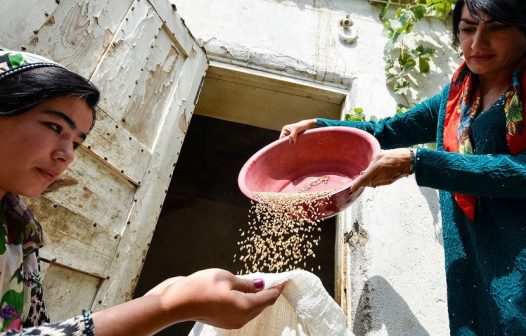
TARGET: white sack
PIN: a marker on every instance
(303, 309)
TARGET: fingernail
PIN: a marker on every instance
(259, 283)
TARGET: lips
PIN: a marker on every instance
(481, 57)
(48, 174)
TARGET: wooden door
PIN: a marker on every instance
(99, 217)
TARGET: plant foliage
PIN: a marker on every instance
(403, 61)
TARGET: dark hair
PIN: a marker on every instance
(510, 12)
(22, 91)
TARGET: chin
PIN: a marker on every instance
(31, 194)
(478, 71)
(31, 191)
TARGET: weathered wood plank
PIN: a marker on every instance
(17, 31)
(168, 14)
(115, 146)
(94, 192)
(149, 101)
(74, 240)
(144, 214)
(138, 72)
(78, 32)
(67, 291)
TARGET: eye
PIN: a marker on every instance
(499, 27)
(468, 29)
(55, 127)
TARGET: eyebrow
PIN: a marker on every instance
(67, 119)
(468, 21)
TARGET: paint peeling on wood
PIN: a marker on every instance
(78, 32)
(149, 101)
(144, 214)
(140, 71)
(122, 67)
(181, 35)
(18, 31)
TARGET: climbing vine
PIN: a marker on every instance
(403, 61)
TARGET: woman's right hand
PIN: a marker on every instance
(219, 298)
(292, 130)
(213, 296)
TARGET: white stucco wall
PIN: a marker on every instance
(396, 272)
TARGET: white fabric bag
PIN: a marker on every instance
(303, 309)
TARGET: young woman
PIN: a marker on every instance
(46, 111)
(479, 124)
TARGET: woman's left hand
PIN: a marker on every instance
(387, 167)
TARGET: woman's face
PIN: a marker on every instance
(490, 47)
(37, 146)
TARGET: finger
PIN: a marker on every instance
(248, 285)
(284, 132)
(363, 180)
(293, 135)
(264, 298)
(280, 287)
(385, 182)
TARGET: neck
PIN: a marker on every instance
(494, 84)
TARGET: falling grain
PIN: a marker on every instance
(282, 231)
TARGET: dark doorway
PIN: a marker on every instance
(203, 210)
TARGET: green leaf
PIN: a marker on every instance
(356, 115)
(419, 11)
(400, 108)
(423, 65)
(401, 87)
(439, 9)
(420, 51)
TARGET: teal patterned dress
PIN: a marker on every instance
(485, 260)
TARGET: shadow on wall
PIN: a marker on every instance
(394, 313)
(431, 196)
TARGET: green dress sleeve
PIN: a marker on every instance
(416, 126)
(499, 175)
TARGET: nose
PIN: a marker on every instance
(64, 152)
(479, 39)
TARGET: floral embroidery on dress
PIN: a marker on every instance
(22, 302)
(70, 327)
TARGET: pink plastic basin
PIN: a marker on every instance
(322, 159)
